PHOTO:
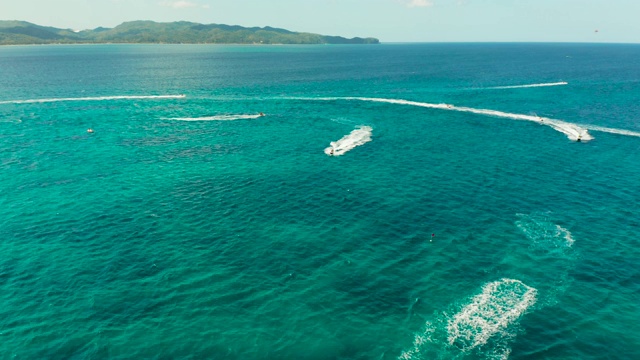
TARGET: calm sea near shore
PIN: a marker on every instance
(398, 201)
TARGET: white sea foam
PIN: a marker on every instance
(528, 85)
(95, 98)
(489, 317)
(357, 137)
(400, 102)
(546, 243)
(566, 234)
(343, 121)
(572, 131)
(612, 131)
(10, 120)
(490, 313)
(217, 118)
(542, 232)
(418, 342)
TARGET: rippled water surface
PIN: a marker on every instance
(484, 203)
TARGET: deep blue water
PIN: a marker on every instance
(473, 225)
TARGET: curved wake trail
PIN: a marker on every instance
(527, 86)
(94, 98)
(544, 233)
(485, 323)
(357, 137)
(217, 118)
(548, 243)
(572, 131)
(500, 304)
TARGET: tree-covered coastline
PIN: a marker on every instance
(182, 32)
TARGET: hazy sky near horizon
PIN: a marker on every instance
(388, 20)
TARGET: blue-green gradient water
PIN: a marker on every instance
(473, 225)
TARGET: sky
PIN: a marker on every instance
(387, 20)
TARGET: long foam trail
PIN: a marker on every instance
(95, 98)
(528, 85)
(612, 131)
(572, 131)
(500, 304)
(217, 118)
(357, 137)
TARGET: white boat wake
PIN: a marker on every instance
(500, 304)
(217, 118)
(541, 231)
(612, 130)
(94, 98)
(487, 323)
(528, 86)
(357, 137)
(572, 131)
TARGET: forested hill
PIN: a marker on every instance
(182, 32)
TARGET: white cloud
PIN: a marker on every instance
(182, 4)
(417, 3)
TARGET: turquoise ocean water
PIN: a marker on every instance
(469, 223)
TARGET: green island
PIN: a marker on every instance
(150, 32)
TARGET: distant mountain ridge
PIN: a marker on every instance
(181, 32)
